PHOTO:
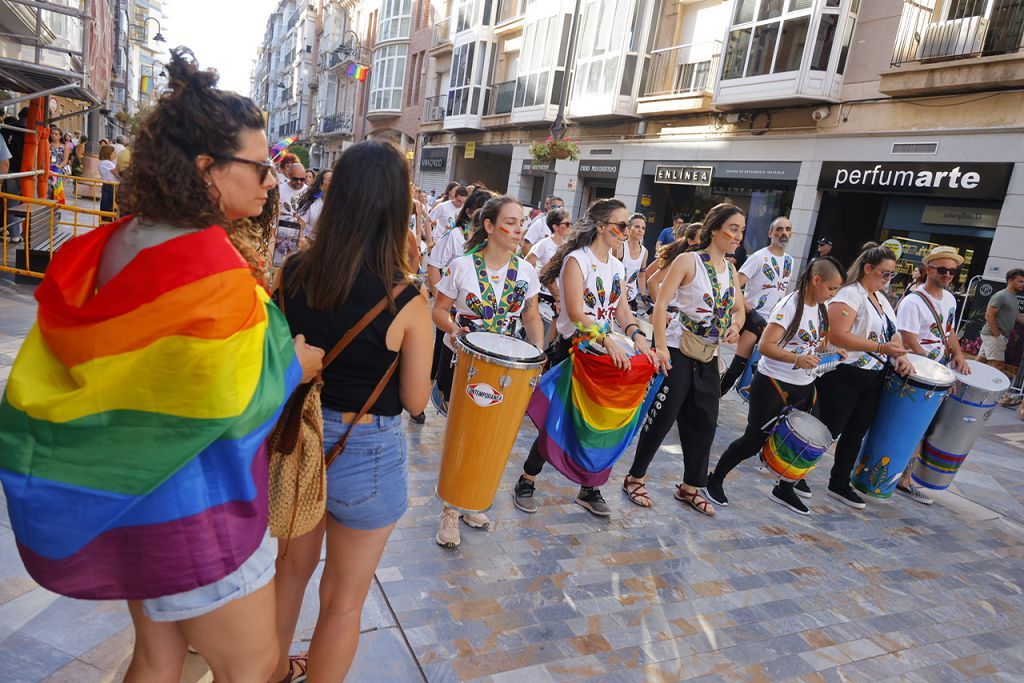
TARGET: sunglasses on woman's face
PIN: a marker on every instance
(619, 228)
(887, 274)
(567, 224)
(265, 167)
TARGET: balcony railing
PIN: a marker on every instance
(509, 9)
(337, 123)
(433, 108)
(924, 36)
(682, 70)
(500, 98)
(442, 33)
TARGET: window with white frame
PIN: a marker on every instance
(766, 37)
(461, 79)
(600, 49)
(395, 19)
(388, 77)
(541, 44)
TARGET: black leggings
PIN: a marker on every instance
(689, 397)
(438, 345)
(765, 405)
(849, 401)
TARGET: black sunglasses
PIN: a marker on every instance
(265, 167)
(941, 270)
(621, 225)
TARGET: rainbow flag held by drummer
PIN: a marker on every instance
(588, 411)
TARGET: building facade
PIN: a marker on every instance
(853, 118)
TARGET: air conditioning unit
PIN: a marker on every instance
(953, 38)
(436, 113)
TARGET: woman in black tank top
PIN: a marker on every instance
(358, 259)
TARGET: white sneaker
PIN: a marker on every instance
(476, 520)
(448, 533)
(916, 494)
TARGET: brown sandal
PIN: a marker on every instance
(637, 494)
(297, 665)
(697, 501)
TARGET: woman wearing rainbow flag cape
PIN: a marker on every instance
(702, 290)
(588, 409)
(491, 288)
(132, 430)
(797, 330)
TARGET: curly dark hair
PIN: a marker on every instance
(193, 117)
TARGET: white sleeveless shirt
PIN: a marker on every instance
(602, 287)
(632, 267)
(695, 301)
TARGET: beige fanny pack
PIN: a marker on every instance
(692, 346)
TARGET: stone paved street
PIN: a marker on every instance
(898, 591)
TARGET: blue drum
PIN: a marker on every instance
(906, 410)
(743, 386)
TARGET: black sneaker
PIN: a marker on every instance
(714, 492)
(592, 500)
(848, 497)
(787, 497)
(522, 495)
(419, 419)
(802, 489)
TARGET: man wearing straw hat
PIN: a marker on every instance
(926, 318)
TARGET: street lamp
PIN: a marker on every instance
(159, 37)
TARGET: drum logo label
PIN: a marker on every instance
(484, 395)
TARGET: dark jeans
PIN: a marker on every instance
(765, 405)
(689, 397)
(849, 399)
(107, 201)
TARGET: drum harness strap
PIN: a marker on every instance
(938, 323)
(493, 313)
(787, 406)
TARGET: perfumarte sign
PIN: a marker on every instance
(953, 179)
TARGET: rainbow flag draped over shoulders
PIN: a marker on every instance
(132, 428)
(588, 411)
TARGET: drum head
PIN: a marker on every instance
(984, 377)
(505, 348)
(809, 428)
(930, 373)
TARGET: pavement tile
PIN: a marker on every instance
(27, 660)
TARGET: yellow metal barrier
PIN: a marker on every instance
(71, 192)
(56, 228)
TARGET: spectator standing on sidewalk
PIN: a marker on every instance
(110, 175)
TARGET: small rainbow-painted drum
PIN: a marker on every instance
(795, 445)
(961, 419)
(907, 407)
(743, 386)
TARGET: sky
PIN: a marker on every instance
(223, 34)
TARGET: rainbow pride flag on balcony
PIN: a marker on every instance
(588, 411)
(133, 425)
(358, 72)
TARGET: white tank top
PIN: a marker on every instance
(632, 267)
(694, 305)
(602, 286)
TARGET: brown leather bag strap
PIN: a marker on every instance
(374, 395)
(370, 316)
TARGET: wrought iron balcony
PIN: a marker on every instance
(925, 35)
(682, 70)
(500, 98)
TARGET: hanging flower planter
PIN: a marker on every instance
(554, 149)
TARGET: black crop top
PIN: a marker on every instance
(351, 377)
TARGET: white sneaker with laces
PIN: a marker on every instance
(476, 520)
(448, 533)
(916, 494)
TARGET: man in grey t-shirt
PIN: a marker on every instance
(1001, 315)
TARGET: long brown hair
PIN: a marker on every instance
(489, 212)
(871, 254)
(363, 228)
(599, 211)
(713, 222)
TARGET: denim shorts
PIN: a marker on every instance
(367, 485)
(255, 573)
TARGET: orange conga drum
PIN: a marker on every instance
(494, 379)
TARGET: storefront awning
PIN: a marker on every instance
(38, 80)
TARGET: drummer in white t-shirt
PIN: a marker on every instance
(490, 288)
(926, 319)
(797, 331)
(592, 285)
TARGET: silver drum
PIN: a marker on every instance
(956, 427)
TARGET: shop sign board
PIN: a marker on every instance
(950, 179)
(599, 168)
(732, 170)
(965, 216)
(470, 150)
(531, 167)
(683, 175)
(434, 159)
